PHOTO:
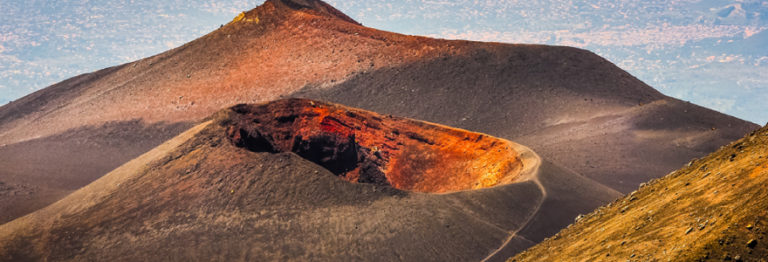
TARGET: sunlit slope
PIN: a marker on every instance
(216, 193)
(578, 111)
(714, 209)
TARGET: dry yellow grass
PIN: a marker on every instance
(715, 208)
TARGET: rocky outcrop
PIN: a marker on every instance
(366, 147)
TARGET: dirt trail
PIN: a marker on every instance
(531, 164)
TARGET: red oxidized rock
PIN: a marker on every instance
(366, 147)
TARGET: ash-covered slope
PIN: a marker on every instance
(714, 209)
(255, 183)
(573, 107)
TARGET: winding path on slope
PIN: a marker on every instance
(531, 164)
(245, 209)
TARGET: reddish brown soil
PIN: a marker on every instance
(365, 147)
(276, 49)
(571, 106)
(200, 197)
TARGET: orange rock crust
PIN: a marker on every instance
(366, 147)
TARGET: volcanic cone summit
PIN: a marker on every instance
(314, 6)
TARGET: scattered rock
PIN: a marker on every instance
(751, 243)
(688, 230)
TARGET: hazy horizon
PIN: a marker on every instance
(711, 53)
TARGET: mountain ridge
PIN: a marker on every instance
(315, 6)
(594, 125)
(286, 206)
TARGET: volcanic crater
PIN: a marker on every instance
(364, 147)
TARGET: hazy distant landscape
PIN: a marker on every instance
(293, 132)
(709, 52)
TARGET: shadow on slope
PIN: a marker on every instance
(566, 195)
(43, 170)
(595, 123)
(512, 91)
(715, 208)
(200, 197)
